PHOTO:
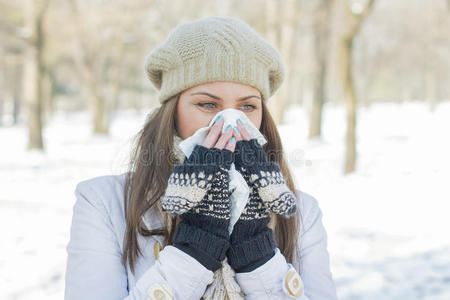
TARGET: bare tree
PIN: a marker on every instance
(85, 64)
(16, 90)
(35, 12)
(434, 31)
(102, 34)
(283, 33)
(321, 46)
(2, 89)
(354, 15)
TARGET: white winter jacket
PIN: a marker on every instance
(94, 270)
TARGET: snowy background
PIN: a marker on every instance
(388, 223)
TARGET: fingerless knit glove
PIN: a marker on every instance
(252, 241)
(251, 161)
(198, 191)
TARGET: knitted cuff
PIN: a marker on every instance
(212, 224)
(272, 188)
(259, 248)
(246, 229)
(187, 186)
(204, 246)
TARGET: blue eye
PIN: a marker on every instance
(251, 106)
(211, 105)
(205, 104)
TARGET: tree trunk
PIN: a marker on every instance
(430, 88)
(33, 99)
(33, 70)
(350, 101)
(321, 50)
(97, 100)
(47, 95)
(100, 124)
(315, 127)
(293, 59)
(430, 66)
(17, 91)
(273, 10)
(352, 27)
(3, 90)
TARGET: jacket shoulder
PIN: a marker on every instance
(309, 208)
(102, 182)
(104, 192)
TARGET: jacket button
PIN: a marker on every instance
(156, 248)
(294, 283)
(159, 291)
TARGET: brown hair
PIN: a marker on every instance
(151, 169)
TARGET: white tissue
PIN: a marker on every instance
(241, 191)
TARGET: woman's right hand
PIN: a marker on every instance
(198, 191)
(215, 138)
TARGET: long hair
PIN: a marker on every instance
(149, 171)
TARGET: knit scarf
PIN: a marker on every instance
(224, 285)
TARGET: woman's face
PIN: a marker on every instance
(199, 104)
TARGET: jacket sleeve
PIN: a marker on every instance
(184, 275)
(268, 281)
(94, 269)
(314, 257)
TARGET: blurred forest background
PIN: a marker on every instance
(364, 107)
(66, 55)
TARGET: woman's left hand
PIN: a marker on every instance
(263, 175)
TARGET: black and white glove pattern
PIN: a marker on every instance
(252, 241)
(251, 161)
(198, 191)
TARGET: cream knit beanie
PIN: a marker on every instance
(215, 48)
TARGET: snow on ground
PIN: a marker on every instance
(387, 223)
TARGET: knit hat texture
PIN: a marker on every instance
(214, 48)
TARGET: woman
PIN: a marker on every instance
(277, 249)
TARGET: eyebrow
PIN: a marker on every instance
(218, 98)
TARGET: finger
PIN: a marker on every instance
(213, 134)
(244, 133)
(223, 139)
(236, 134)
(231, 144)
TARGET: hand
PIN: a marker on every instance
(252, 241)
(251, 161)
(198, 191)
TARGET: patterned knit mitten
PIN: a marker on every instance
(252, 241)
(198, 191)
(251, 161)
